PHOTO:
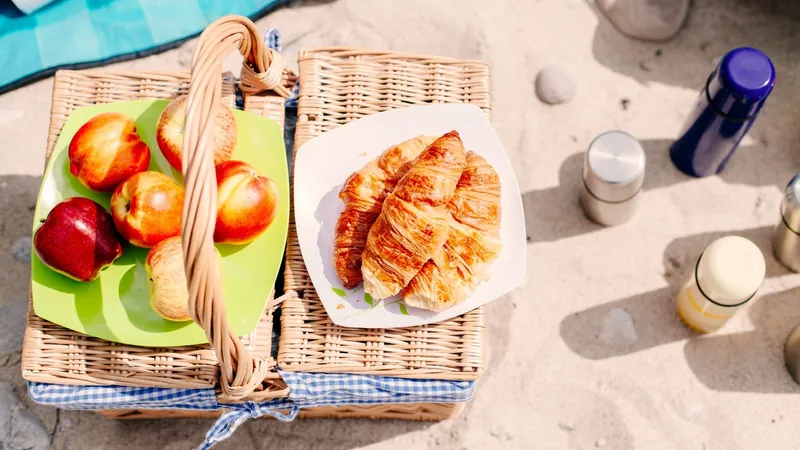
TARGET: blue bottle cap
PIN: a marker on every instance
(740, 85)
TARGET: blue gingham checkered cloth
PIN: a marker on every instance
(87, 33)
(305, 390)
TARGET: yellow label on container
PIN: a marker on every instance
(698, 312)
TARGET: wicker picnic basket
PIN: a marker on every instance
(337, 85)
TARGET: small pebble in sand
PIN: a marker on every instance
(601, 442)
(691, 411)
(554, 85)
(649, 20)
(618, 329)
(22, 249)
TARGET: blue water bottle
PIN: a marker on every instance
(726, 109)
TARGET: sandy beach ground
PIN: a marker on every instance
(588, 352)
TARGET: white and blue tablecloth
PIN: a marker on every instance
(305, 390)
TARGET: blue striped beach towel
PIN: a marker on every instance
(85, 33)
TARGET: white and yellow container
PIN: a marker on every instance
(727, 275)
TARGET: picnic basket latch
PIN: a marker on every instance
(240, 373)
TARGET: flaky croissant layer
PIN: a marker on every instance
(473, 242)
(363, 195)
(414, 220)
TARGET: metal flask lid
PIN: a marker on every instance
(790, 206)
(613, 169)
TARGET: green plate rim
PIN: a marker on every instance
(284, 210)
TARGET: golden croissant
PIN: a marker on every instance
(413, 224)
(363, 194)
(473, 242)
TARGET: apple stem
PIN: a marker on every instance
(41, 220)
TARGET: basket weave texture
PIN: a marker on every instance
(338, 85)
(53, 354)
(402, 411)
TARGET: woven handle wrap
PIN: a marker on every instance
(240, 374)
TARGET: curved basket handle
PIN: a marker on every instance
(262, 70)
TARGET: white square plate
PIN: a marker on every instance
(323, 164)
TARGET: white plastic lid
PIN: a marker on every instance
(731, 270)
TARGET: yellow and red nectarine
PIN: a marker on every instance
(246, 203)
(106, 150)
(147, 208)
(169, 132)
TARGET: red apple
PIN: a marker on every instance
(169, 132)
(77, 239)
(246, 203)
(107, 150)
(147, 208)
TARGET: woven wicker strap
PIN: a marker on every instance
(240, 373)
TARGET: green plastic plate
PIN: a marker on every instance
(115, 307)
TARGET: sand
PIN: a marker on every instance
(588, 352)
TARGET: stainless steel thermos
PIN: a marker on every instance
(613, 174)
